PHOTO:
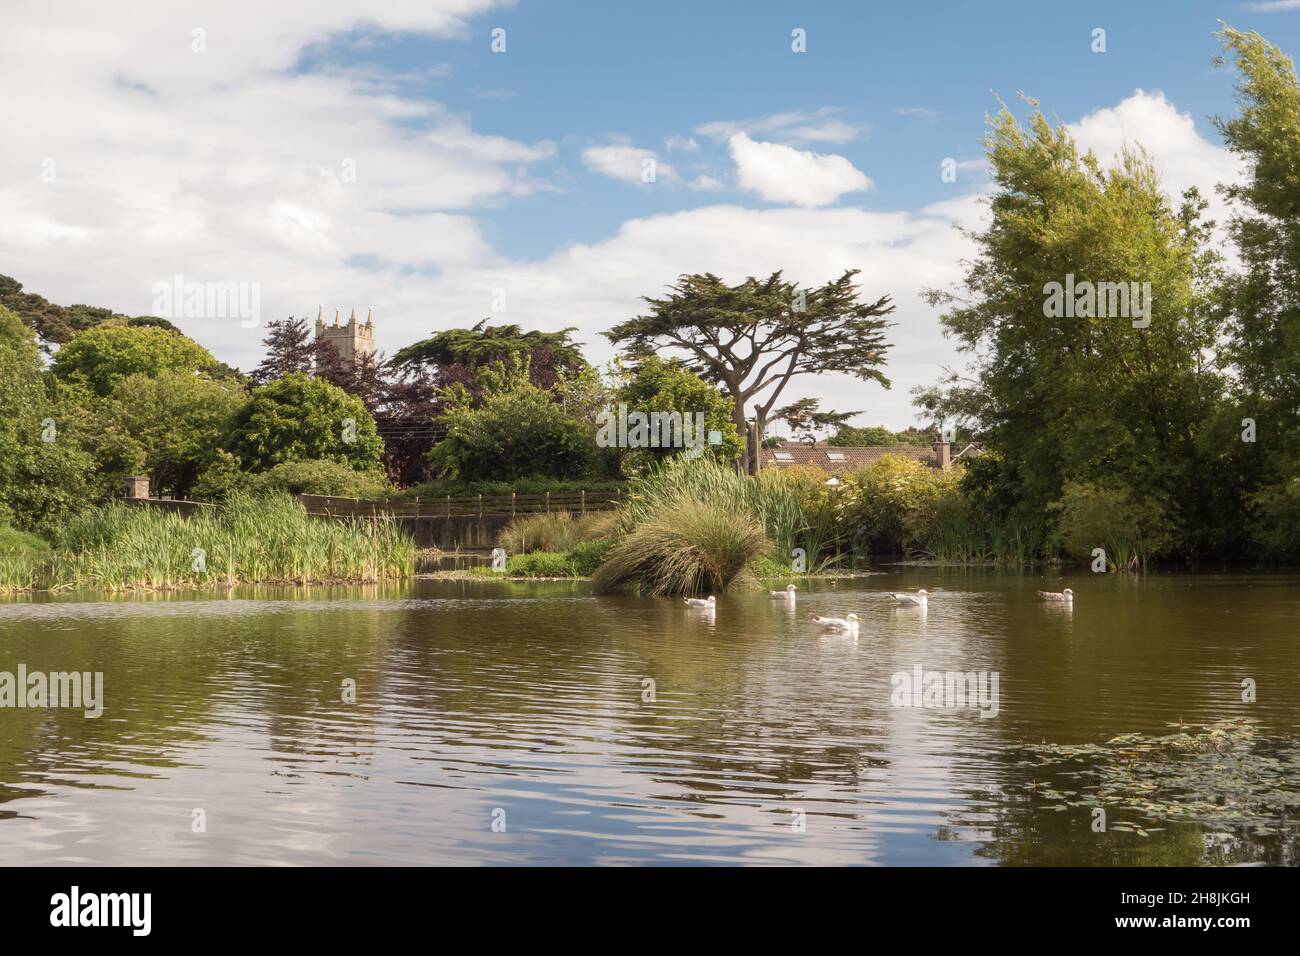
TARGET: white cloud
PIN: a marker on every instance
(629, 164)
(820, 126)
(1182, 156)
(780, 173)
(685, 144)
(1274, 6)
(226, 165)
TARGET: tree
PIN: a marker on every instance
(168, 426)
(666, 386)
(484, 345)
(289, 348)
(805, 420)
(515, 430)
(1080, 393)
(754, 338)
(43, 470)
(101, 357)
(1264, 299)
(297, 418)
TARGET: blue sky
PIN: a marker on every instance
(478, 173)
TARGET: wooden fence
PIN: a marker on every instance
(465, 506)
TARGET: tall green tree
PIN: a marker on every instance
(43, 468)
(665, 385)
(1264, 296)
(167, 426)
(1059, 388)
(101, 357)
(754, 338)
(297, 418)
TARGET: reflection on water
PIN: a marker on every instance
(619, 730)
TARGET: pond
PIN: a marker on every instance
(511, 723)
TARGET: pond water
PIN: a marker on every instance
(507, 723)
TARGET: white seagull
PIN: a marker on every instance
(849, 623)
(908, 600)
(709, 602)
(1066, 596)
(787, 594)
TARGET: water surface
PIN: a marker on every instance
(499, 723)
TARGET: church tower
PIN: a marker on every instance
(352, 341)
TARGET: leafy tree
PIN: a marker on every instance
(516, 430)
(168, 426)
(297, 418)
(665, 385)
(43, 470)
(1264, 298)
(485, 345)
(754, 338)
(805, 419)
(1080, 396)
(101, 357)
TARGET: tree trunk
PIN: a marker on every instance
(742, 430)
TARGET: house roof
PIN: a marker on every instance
(841, 459)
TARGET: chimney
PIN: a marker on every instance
(943, 454)
(137, 486)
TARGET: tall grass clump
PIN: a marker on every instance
(688, 547)
(269, 539)
(554, 531)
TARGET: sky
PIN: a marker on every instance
(446, 161)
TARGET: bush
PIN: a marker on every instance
(688, 547)
(554, 531)
(588, 555)
(1092, 516)
(540, 564)
(324, 477)
(897, 505)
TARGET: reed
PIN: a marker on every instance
(268, 539)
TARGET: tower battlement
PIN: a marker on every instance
(352, 339)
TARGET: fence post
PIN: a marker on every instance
(583, 505)
(480, 504)
(449, 507)
(548, 502)
(512, 504)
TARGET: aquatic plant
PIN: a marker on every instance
(264, 539)
(1224, 775)
(689, 547)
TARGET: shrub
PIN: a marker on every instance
(688, 547)
(540, 564)
(1092, 516)
(588, 555)
(324, 477)
(554, 531)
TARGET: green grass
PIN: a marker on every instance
(268, 539)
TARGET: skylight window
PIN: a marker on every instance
(784, 456)
(837, 456)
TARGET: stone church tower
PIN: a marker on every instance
(353, 340)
